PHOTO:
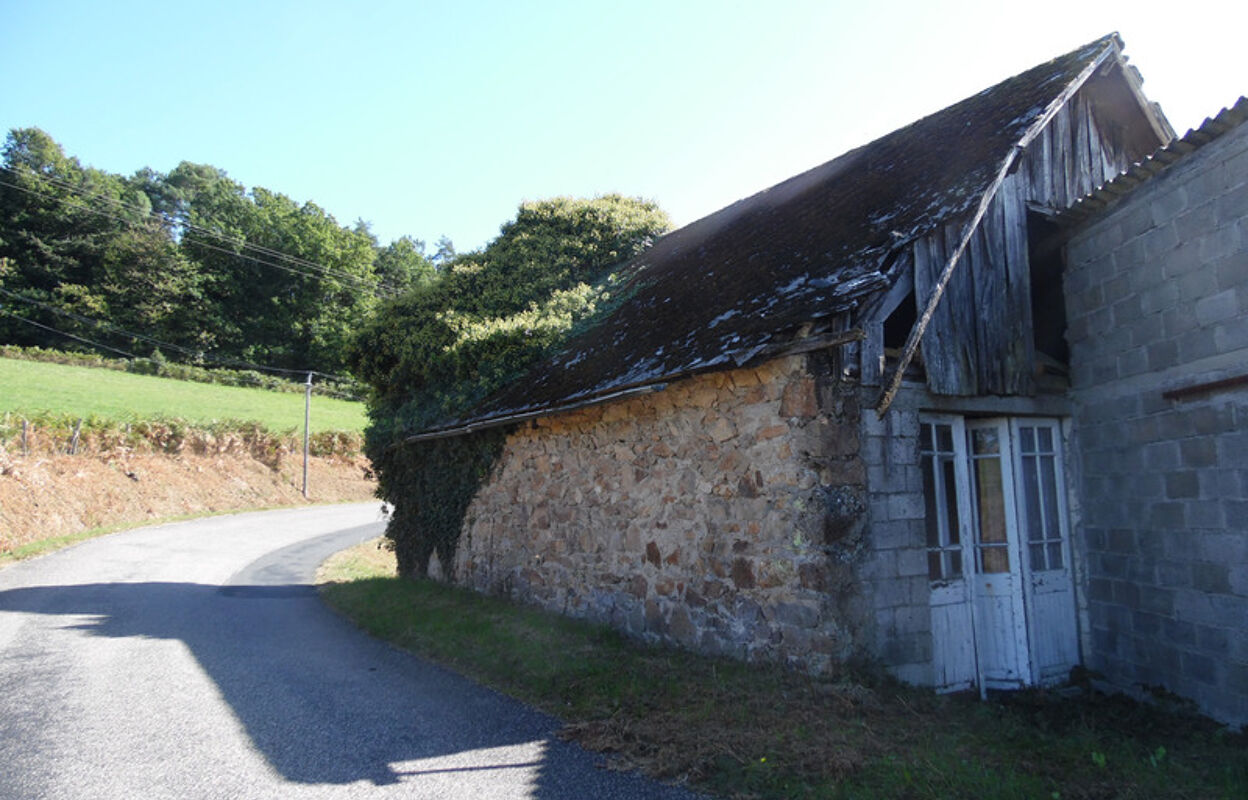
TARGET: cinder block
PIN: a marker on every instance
(1232, 335)
(1133, 362)
(1197, 284)
(1199, 451)
(1165, 206)
(1199, 668)
(1204, 514)
(1213, 419)
(1211, 578)
(1135, 221)
(1196, 220)
(1127, 595)
(1235, 513)
(1162, 355)
(912, 562)
(1164, 455)
(1232, 450)
(1232, 272)
(1184, 259)
(1233, 205)
(1159, 242)
(1176, 322)
(1159, 601)
(1121, 540)
(1197, 344)
(1219, 243)
(1213, 640)
(1169, 515)
(1144, 623)
(1182, 484)
(1217, 307)
(897, 534)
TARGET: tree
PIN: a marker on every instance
(82, 240)
(285, 283)
(402, 265)
(432, 354)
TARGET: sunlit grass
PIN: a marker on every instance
(757, 731)
(33, 387)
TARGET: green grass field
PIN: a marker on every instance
(31, 387)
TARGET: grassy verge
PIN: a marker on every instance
(33, 387)
(746, 731)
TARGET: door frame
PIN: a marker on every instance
(1019, 647)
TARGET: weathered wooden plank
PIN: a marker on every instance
(1081, 183)
(1061, 159)
(989, 302)
(1042, 168)
(1018, 266)
(946, 356)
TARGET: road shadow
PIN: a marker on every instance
(326, 704)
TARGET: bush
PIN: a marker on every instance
(436, 352)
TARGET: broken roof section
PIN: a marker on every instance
(733, 286)
(1212, 129)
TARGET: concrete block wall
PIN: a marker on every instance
(1157, 299)
(896, 587)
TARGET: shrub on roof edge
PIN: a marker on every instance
(433, 354)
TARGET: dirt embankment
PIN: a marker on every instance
(45, 495)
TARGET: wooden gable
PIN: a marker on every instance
(979, 340)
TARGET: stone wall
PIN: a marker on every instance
(725, 513)
(1157, 299)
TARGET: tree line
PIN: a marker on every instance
(189, 257)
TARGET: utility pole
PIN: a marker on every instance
(307, 417)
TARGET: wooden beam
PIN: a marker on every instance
(916, 333)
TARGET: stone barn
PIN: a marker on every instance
(835, 421)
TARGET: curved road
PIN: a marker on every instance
(194, 660)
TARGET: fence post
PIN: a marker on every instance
(73, 443)
(25, 441)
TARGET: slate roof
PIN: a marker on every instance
(717, 292)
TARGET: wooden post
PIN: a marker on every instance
(73, 442)
(25, 440)
(307, 417)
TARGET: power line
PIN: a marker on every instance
(241, 378)
(197, 354)
(317, 270)
(188, 225)
(100, 345)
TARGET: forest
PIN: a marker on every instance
(187, 261)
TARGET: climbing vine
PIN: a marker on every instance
(434, 354)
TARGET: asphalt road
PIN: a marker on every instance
(194, 660)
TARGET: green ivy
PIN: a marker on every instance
(435, 353)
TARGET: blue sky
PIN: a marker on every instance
(432, 118)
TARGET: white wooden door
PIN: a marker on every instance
(943, 461)
(998, 544)
(997, 586)
(1048, 584)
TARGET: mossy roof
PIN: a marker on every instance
(716, 292)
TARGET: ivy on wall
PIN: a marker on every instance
(433, 354)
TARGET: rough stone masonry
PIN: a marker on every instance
(724, 513)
